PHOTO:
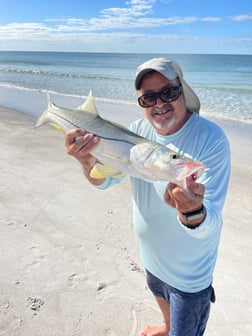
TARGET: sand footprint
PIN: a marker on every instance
(73, 280)
(8, 323)
(35, 304)
(109, 332)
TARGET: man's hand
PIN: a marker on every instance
(186, 201)
(79, 144)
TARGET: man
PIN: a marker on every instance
(178, 231)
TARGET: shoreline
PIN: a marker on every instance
(33, 102)
(68, 268)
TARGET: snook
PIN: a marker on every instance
(120, 151)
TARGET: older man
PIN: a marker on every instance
(179, 231)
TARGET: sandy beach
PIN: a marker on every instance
(69, 256)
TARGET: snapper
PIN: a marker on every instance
(120, 151)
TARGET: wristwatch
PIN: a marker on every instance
(192, 215)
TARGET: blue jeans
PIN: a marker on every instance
(189, 312)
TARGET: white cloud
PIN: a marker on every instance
(211, 19)
(241, 18)
(23, 30)
(135, 15)
(123, 41)
(136, 8)
(112, 28)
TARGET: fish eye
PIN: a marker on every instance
(174, 156)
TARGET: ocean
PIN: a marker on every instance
(222, 82)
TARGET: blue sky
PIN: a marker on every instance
(161, 26)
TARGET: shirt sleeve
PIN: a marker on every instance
(109, 182)
(216, 157)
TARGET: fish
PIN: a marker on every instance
(120, 151)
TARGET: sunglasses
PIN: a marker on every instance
(167, 95)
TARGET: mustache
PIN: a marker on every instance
(163, 109)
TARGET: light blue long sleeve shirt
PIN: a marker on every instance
(182, 257)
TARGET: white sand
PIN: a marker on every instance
(69, 257)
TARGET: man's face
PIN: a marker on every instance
(166, 118)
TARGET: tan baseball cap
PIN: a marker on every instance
(170, 70)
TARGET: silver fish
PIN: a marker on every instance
(120, 151)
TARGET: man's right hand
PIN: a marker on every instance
(79, 144)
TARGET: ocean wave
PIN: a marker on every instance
(226, 89)
(77, 96)
(16, 75)
(48, 73)
(216, 103)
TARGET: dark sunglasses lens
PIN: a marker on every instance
(170, 94)
(167, 95)
(147, 100)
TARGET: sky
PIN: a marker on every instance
(133, 26)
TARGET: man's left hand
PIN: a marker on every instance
(185, 200)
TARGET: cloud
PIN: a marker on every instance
(211, 19)
(76, 25)
(124, 26)
(136, 14)
(241, 18)
(109, 18)
(126, 42)
(136, 8)
(23, 30)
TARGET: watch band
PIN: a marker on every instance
(192, 215)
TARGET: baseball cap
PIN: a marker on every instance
(170, 70)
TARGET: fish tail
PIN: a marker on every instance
(44, 118)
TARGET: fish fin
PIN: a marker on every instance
(89, 105)
(58, 128)
(44, 118)
(102, 171)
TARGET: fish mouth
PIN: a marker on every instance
(190, 169)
